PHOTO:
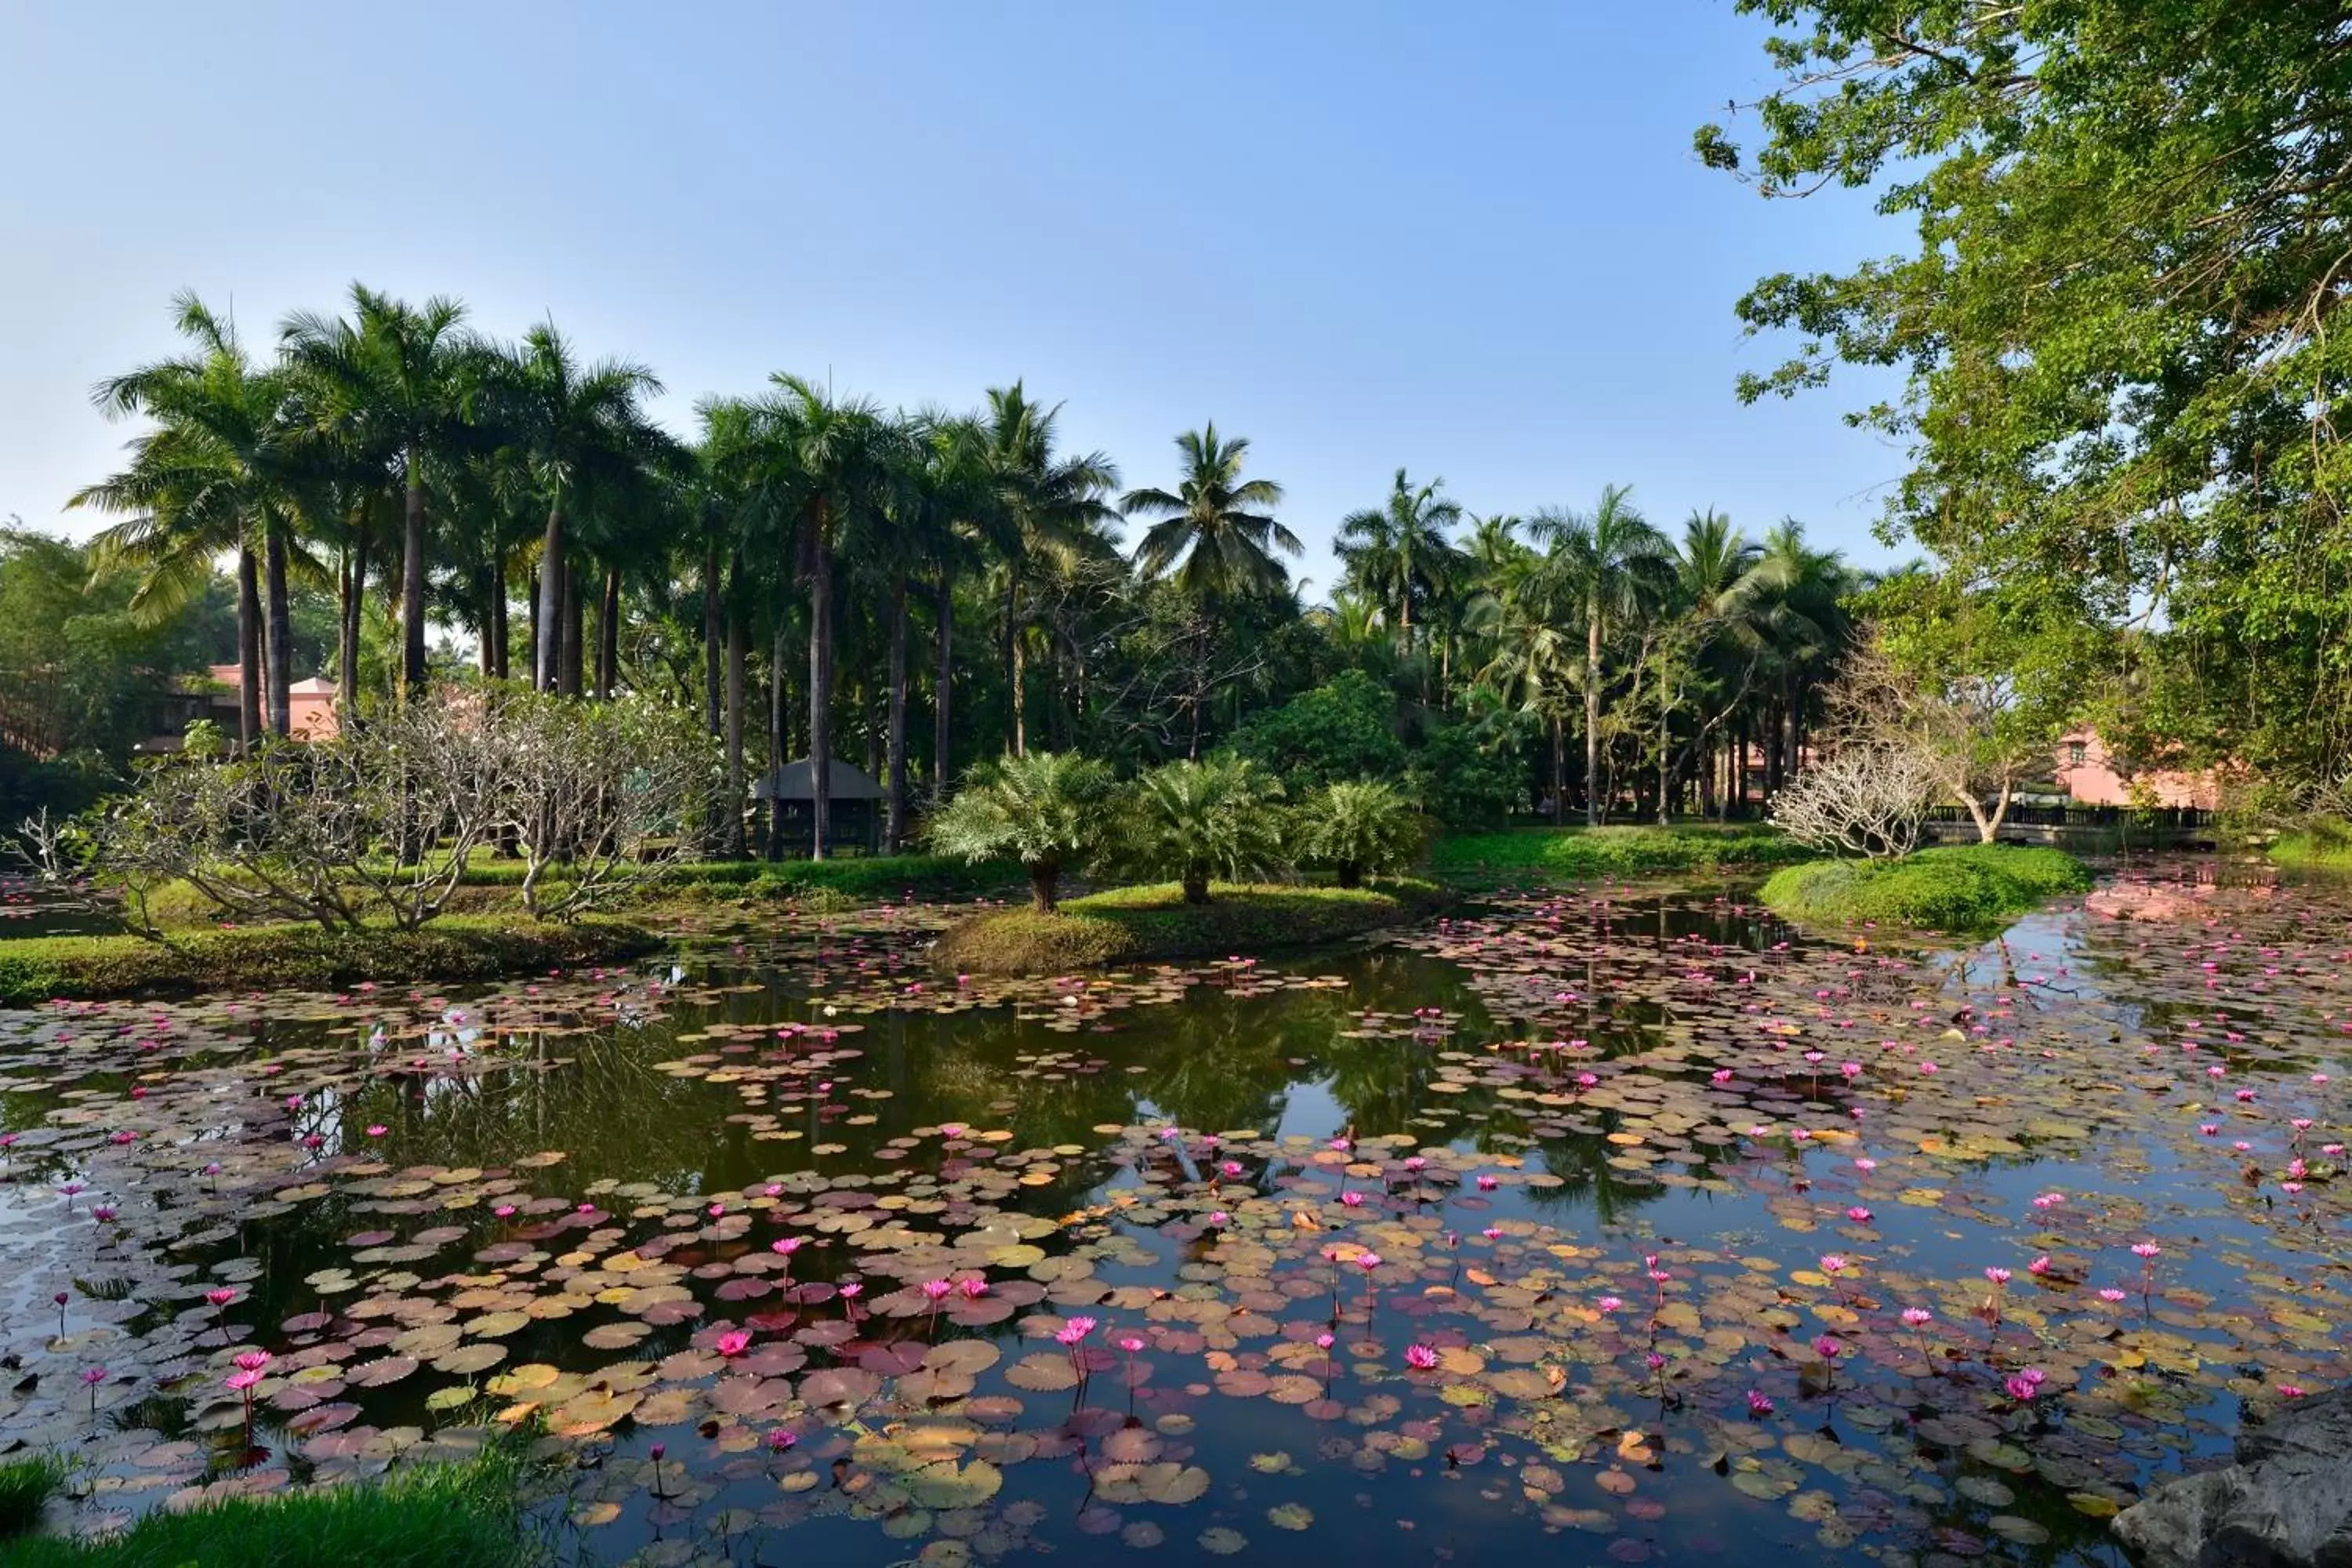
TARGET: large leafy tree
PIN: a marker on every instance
(1613, 565)
(392, 383)
(1402, 554)
(2125, 385)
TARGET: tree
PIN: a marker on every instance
(1867, 797)
(1208, 541)
(1049, 810)
(1611, 563)
(392, 383)
(1402, 554)
(572, 431)
(2125, 387)
(214, 474)
(1195, 820)
(1343, 730)
(1359, 828)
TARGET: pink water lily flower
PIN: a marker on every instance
(732, 1343)
(1420, 1357)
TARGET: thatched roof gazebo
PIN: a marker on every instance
(856, 801)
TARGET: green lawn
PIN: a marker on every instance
(1584, 853)
(1956, 887)
(1152, 922)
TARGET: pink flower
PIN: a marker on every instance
(1130, 1343)
(1758, 1405)
(1917, 1316)
(1488, 1183)
(1827, 1348)
(1073, 1333)
(1720, 1075)
(1859, 1215)
(2146, 1250)
(732, 1343)
(779, 1440)
(1353, 1200)
(936, 1289)
(2021, 1387)
(1832, 1263)
(221, 1296)
(241, 1381)
(1609, 1303)
(1998, 1275)
(851, 1289)
(377, 1130)
(974, 1290)
(2040, 1265)
(2111, 1294)
(1367, 1261)
(252, 1361)
(1420, 1357)
(785, 1246)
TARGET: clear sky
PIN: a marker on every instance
(1469, 238)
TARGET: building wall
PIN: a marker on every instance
(2085, 771)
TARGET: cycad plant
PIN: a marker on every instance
(1194, 820)
(1359, 828)
(1049, 810)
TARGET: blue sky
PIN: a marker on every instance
(1470, 239)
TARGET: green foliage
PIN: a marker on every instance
(1343, 729)
(1358, 829)
(457, 948)
(2314, 847)
(1049, 810)
(1155, 922)
(26, 1484)
(2123, 400)
(426, 1516)
(1465, 779)
(1193, 821)
(1955, 887)
(1579, 853)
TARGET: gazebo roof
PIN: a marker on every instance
(796, 781)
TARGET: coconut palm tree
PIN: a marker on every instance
(392, 382)
(1046, 505)
(573, 430)
(1210, 540)
(215, 473)
(1402, 554)
(1612, 563)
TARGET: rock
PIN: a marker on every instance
(2286, 1503)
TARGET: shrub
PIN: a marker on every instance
(1581, 853)
(1465, 784)
(1193, 821)
(1353, 830)
(1867, 800)
(1048, 810)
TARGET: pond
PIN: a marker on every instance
(1601, 1224)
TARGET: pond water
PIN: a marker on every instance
(1580, 1224)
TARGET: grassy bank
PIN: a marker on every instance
(2310, 850)
(1582, 853)
(1150, 924)
(1956, 887)
(452, 950)
(870, 877)
(434, 1516)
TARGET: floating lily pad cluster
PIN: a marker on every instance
(1642, 1223)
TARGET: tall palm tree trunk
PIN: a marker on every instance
(353, 607)
(498, 655)
(546, 617)
(820, 687)
(569, 685)
(608, 636)
(1016, 672)
(943, 689)
(1559, 768)
(710, 638)
(896, 828)
(281, 635)
(248, 650)
(1593, 717)
(739, 654)
(412, 579)
(779, 750)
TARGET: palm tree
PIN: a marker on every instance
(1210, 540)
(1209, 543)
(827, 467)
(1045, 507)
(392, 382)
(573, 430)
(1048, 810)
(214, 474)
(1534, 661)
(1612, 562)
(1401, 553)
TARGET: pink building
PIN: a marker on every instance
(2086, 772)
(310, 704)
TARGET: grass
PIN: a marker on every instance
(1954, 887)
(26, 1484)
(452, 950)
(1583, 853)
(1150, 923)
(2313, 849)
(432, 1516)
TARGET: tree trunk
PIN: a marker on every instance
(1348, 874)
(248, 650)
(943, 689)
(711, 639)
(821, 686)
(1196, 887)
(780, 747)
(355, 606)
(608, 637)
(412, 580)
(281, 637)
(575, 642)
(739, 651)
(502, 657)
(492, 591)
(896, 828)
(1045, 888)
(1593, 717)
(1014, 673)
(1559, 769)
(547, 612)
